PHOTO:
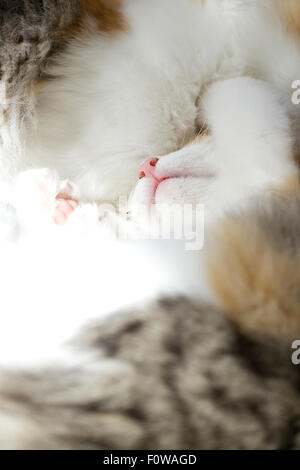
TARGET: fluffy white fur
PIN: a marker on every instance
(139, 94)
(228, 65)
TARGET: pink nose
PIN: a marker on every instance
(147, 170)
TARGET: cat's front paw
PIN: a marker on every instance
(64, 207)
(66, 202)
(41, 194)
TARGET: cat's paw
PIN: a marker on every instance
(64, 207)
(41, 194)
(65, 203)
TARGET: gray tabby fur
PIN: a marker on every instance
(29, 36)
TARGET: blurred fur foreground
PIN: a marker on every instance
(178, 374)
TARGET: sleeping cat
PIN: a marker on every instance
(197, 350)
(92, 88)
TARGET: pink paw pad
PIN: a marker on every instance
(64, 207)
(147, 170)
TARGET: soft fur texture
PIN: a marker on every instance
(89, 89)
(30, 34)
(172, 375)
(112, 100)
